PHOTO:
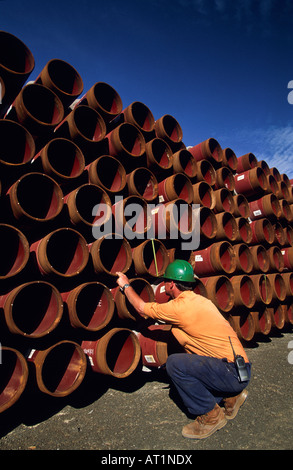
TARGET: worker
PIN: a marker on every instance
(212, 377)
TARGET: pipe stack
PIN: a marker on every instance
(73, 168)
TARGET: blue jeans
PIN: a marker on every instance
(203, 381)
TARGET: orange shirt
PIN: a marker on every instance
(198, 325)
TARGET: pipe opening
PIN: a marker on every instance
(66, 252)
(17, 145)
(145, 183)
(89, 123)
(223, 292)
(14, 251)
(245, 258)
(147, 264)
(247, 291)
(65, 158)
(13, 377)
(172, 128)
(88, 197)
(94, 305)
(114, 255)
(207, 171)
(215, 149)
(131, 139)
(226, 256)
(109, 172)
(161, 152)
(208, 223)
(42, 104)
(120, 352)
(229, 225)
(65, 77)
(14, 55)
(265, 289)
(142, 116)
(108, 98)
(36, 309)
(186, 163)
(144, 290)
(136, 205)
(182, 186)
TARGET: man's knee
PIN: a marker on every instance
(172, 363)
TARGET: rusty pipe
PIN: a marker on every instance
(223, 201)
(154, 344)
(172, 219)
(276, 259)
(243, 324)
(150, 258)
(266, 206)
(220, 291)
(289, 312)
(60, 369)
(209, 149)
(104, 99)
(208, 224)
(38, 109)
(127, 144)
(246, 162)
(184, 162)
(62, 78)
(111, 253)
(108, 173)
(16, 64)
(14, 251)
(244, 231)
(288, 229)
(203, 194)
(142, 182)
(206, 172)
(263, 321)
(278, 315)
(160, 295)
(283, 190)
(260, 258)
(262, 232)
(288, 257)
(278, 286)
(229, 159)
(61, 159)
(244, 291)
(42, 303)
(159, 158)
(288, 279)
(216, 258)
(241, 206)
(263, 288)
(224, 178)
(143, 288)
(87, 129)
(169, 129)
(252, 182)
(117, 353)
(226, 226)
(264, 166)
(89, 206)
(286, 211)
(280, 235)
(140, 224)
(272, 185)
(90, 306)
(35, 198)
(139, 115)
(63, 253)
(243, 257)
(13, 378)
(174, 187)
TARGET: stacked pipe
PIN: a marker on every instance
(72, 166)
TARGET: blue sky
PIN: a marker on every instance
(220, 67)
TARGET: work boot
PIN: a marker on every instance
(205, 425)
(232, 404)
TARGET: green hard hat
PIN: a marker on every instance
(179, 270)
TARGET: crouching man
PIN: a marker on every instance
(208, 375)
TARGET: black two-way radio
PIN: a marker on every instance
(240, 365)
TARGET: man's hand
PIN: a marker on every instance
(122, 279)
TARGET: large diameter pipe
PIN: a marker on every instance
(246, 162)
(172, 219)
(35, 198)
(288, 257)
(117, 353)
(263, 321)
(209, 149)
(208, 224)
(63, 253)
(87, 129)
(260, 258)
(203, 194)
(142, 182)
(220, 291)
(110, 254)
(251, 182)
(278, 315)
(286, 211)
(127, 144)
(159, 158)
(226, 226)
(262, 232)
(224, 178)
(14, 251)
(143, 288)
(244, 262)
(267, 206)
(278, 286)
(217, 258)
(223, 201)
(263, 288)
(38, 109)
(241, 206)
(132, 226)
(150, 258)
(60, 369)
(280, 234)
(184, 162)
(61, 159)
(230, 159)
(13, 378)
(89, 206)
(206, 172)
(288, 279)
(103, 98)
(90, 306)
(108, 173)
(244, 231)
(157, 343)
(139, 115)
(244, 291)
(16, 64)
(264, 166)
(169, 129)
(276, 259)
(244, 325)
(63, 79)
(174, 187)
(42, 303)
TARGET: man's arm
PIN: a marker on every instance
(136, 301)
